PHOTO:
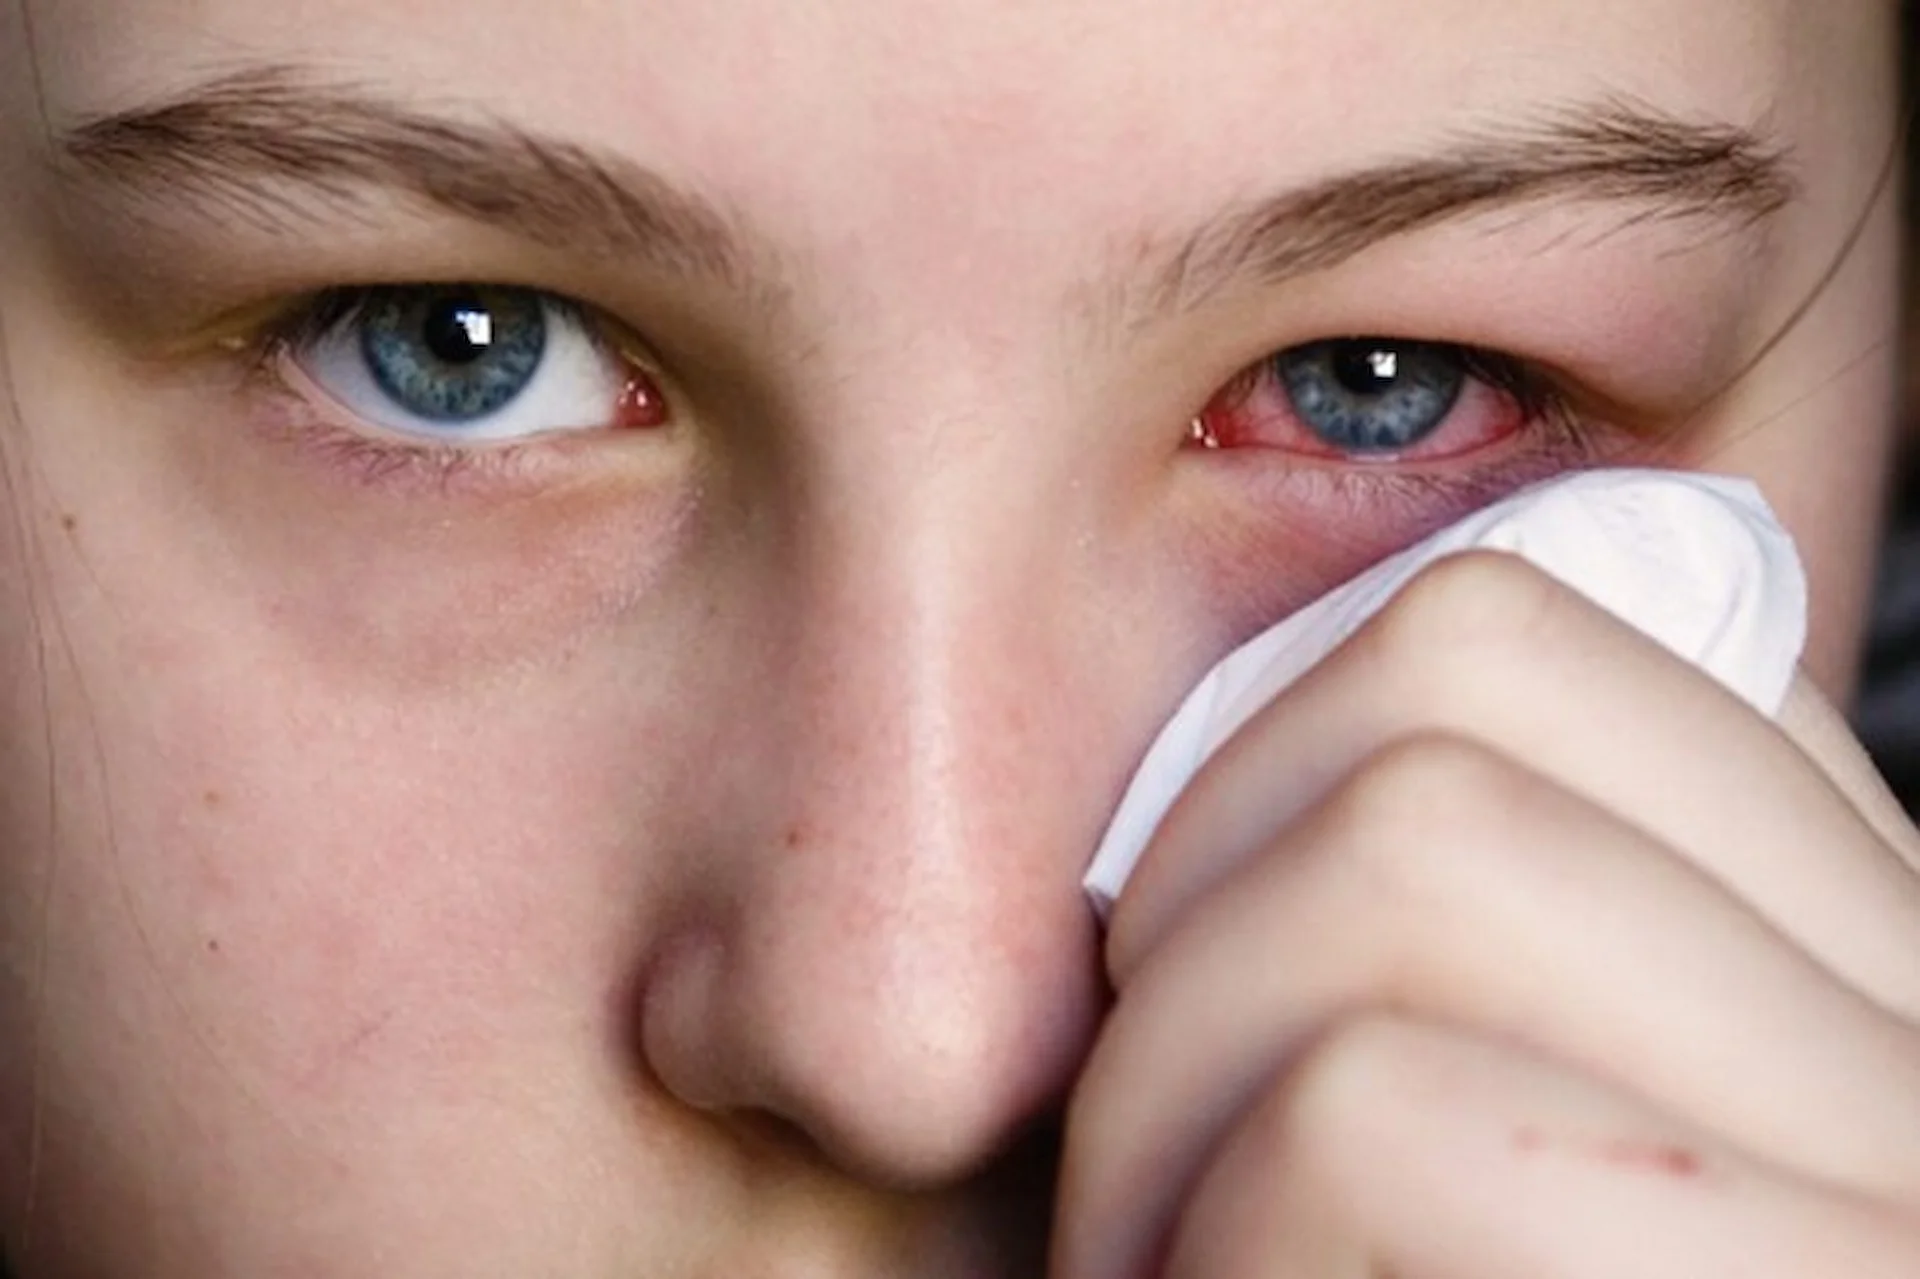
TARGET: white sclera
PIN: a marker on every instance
(1697, 562)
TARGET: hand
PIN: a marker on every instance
(1505, 945)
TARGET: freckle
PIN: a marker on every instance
(792, 839)
(213, 945)
(213, 799)
(71, 523)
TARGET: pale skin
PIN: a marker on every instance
(661, 857)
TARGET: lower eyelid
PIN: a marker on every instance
(1391, 500)
(294, 422)
(302, 386)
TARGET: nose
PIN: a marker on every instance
(892, 953)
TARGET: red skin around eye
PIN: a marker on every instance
(1255, 411)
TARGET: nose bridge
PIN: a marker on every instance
(930, 641)
(906, 969)
(940, 589)
(930, 876)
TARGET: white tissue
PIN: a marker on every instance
(1697, 562)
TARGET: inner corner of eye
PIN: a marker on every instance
(1236, 390)
(642, 404)
(1208, 429)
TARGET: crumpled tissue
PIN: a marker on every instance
(1697, 562)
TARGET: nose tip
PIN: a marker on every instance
(896, 957)
(911, 1032)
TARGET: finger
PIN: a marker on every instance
(1487, 647)
(1819, 729)
(1421, 1153)
(1449, 882)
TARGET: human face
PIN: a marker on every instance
(654, 849)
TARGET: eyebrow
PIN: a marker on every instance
(262, 144)
(1651, 165)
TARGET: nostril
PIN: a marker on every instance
(675, 1008)
(908, 1058)
(916, 1093)
(775, 1135)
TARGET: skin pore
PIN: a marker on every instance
(653, 848)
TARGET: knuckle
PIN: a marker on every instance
(1466, 618)
(1328, 1120)
(1415, 776)
(1418, 833)
(1300, 1177)
(1426, 787)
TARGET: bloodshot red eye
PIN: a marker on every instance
(1369, 400)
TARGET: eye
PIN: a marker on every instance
(1374, 400)
(463, 363)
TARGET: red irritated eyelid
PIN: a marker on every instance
(1255, 411)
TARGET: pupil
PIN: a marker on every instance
(1364, 369)
(459, 330)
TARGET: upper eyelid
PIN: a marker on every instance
(1532, 384)
(310, 316)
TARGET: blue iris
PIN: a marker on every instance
(1368, 396)
(453, 354)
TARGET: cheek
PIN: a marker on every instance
(426, 590)
(303, 932)
(367, 895)
(342, 803)
(1260, 541)
(339, 853)
(348, 863)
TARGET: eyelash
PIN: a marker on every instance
(1550, 434)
